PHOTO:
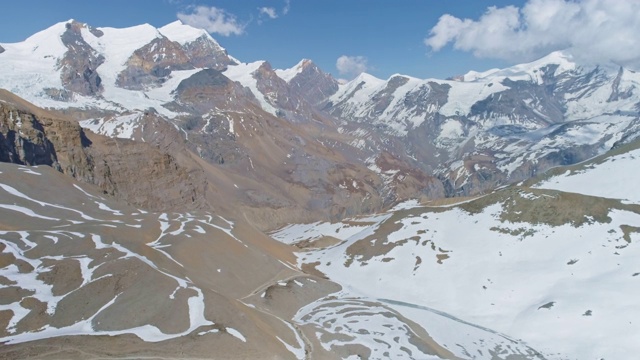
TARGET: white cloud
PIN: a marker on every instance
(268, 11)
(351, 65)
(287, 7)
(593, 31)
(213, 20)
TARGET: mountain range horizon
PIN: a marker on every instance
(160, 198)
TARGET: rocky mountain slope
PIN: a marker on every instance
(85, 276)
(551, 263)
(250, 125)
(77, 264)
(32, 136)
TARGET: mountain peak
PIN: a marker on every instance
(403, 77)
(49, 33)
(305, 63)
(563, 60)
(366, 77)
(288, 74)
(182, 33)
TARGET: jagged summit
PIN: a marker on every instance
(366, 77)
(307, 78)
(288, 74)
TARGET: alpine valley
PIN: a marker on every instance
(161, 199)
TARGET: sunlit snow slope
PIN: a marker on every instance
(614, 177)
(558, 270)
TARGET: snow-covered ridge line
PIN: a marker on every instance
(288, 74)
(34, 66)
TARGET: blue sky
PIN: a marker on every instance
(421, 38)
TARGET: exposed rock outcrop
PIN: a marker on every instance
(209, 89)
(143, 176)
(79, 64)
(290, 103)
(30, 136)
(204, 52)
(152, 64)
(313, 83)
(136, 172)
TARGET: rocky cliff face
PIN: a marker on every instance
(152, 64)
(288, 102)
(80, 62)
(203, 52)
(314, 85)
(32, 136)
(41, 139)
(209, 89)
(142, 176)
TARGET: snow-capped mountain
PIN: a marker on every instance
(216, 151)
(175, 85)
(547, 91)
(311, 82)
(451, 137)
(496, 127)
(74, 65)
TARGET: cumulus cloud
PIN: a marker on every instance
(351, 65)
(268, 11)
(213, 20)
(272, 13)
(593, 31)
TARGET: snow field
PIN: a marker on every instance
(563, 290)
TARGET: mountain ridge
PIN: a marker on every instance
(470, 136)
(408, 210)
(449, 130)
